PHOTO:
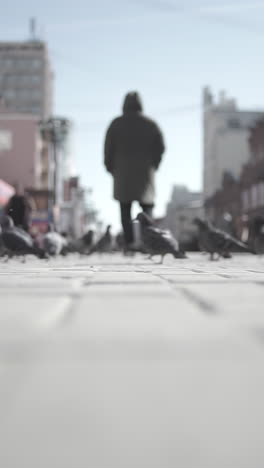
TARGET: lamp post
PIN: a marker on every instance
(55, 131)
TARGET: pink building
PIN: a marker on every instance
(20, 150)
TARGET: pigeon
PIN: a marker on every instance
(54, 243)
(87, 241)
(119, 242)
(104, 244)
(83, 244)
(216, 241)
(2, 247)
(257, 234)
(158, 241)
(16, 241)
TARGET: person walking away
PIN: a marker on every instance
(133, 150)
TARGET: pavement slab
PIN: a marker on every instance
(114, 361)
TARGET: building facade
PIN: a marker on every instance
(34, 144)
(242, 198)
(20, 150)
(26, 77)
(252, 176)
(226, 131)
(224, 208)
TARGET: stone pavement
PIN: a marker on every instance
(117, 362)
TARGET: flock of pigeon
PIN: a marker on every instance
(14, 241)
(210, 239)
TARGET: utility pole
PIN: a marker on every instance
(55, 131)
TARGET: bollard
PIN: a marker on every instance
(137, 234)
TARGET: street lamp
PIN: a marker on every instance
(54, 130)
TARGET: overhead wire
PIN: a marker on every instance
(205, 12)
(169, 7)
(196, 12)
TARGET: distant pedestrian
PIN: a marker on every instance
(133, 150)
(19, 209)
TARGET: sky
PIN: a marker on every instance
(167, 51)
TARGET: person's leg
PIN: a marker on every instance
(127, 222)
(147, 208)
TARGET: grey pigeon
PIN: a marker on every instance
(216, 241)
(88, 237)
(257, 234)
(87, 241)
(119, 241)
(54, 243)
(2, 247)
(82, 245)
(104, 244)
(16, 241)
(157, 241)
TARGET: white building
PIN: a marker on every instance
(225, 139)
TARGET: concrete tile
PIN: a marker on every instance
(137, 414)
(240, 302)
(23, 315)
(107, 364)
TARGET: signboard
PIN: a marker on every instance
(40, 220)
(41, 216)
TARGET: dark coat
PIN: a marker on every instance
(133, 150)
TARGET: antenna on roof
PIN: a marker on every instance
(32, 29)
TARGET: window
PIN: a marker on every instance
(10, 93)
(31, 109)
(245, 200)
(261, 193)
(254, 196)
(11, 80)
(23, 63)
(5, 140)
(35, 78)
(36, 64)
(36, 93)
(23, 93)
(7, 62)
(234, 123)
(258, 187)
(22, 79)
(35, 109)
